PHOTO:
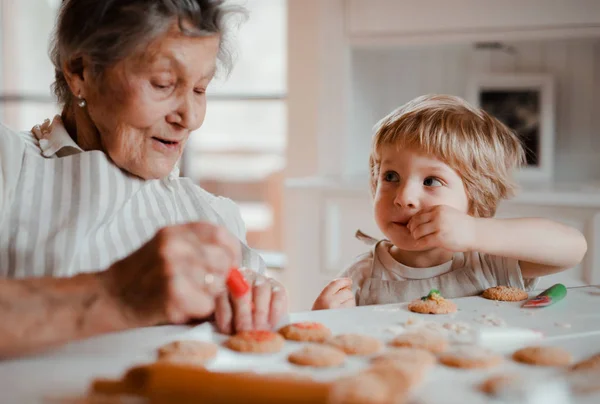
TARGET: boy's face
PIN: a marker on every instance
(408, 182)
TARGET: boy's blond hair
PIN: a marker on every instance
(482, 150)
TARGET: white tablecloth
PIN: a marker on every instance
(573, 323)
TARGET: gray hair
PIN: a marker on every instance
(107, 31)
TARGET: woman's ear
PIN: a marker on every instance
(74, 72)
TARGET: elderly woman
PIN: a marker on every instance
(97, 231)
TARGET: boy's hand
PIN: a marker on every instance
(336, 295)
(442, 226)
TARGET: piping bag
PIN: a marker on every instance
(549, 296)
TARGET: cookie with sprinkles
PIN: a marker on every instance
(433, 303)
(256, 341)
(307, 331)
(505, 294)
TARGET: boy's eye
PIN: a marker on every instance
(432, 182)
(390, 176)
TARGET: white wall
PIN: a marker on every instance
(386, 78)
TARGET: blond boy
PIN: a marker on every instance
(439, 168)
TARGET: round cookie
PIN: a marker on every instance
(190, 352)
(543, 356)
(589, 364)
(306, 332)
(413, 369)
(320, 356)
(363, 388)
(505, 294)
(493, 385)
(255, 341)
(356, 344)
(412, 357)
(431, 341)
(470, 357)
(399, 380)
(432, 306)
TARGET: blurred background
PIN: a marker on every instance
(287, 136)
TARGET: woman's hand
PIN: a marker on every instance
(176, 276)
(260, 309)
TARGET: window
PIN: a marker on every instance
(238, 152)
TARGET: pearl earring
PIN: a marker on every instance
(81, 102)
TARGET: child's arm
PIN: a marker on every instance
(542, 246)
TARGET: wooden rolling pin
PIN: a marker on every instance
(163, 382)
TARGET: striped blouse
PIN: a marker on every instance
(64, 211)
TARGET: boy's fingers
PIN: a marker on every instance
(337, 284)
(423, 230)
(418, 219)
(428, 241)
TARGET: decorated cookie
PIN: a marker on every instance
(428, 340)
(433, 303)
(543, 356)
(306, 332)
(190, 352)
(256, 341)
(470, 357)
(318, 356)
(505, 293)
(356, 344)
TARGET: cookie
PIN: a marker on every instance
(433, 303)
(470, 357)
(590, 364)
(306, 332)
(413, 363)
(356, 344)
(543, 356)
(256, 341)
(188, 352)
(494, 385)
(320, 356)
(398, 379)
(431, 341)
(363, 388)
(505, 294)
(412, 357)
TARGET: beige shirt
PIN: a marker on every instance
(65, 211)
(379, 279)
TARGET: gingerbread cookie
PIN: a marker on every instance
(190, 352)
(355, 344)
(433, 303)
(428, 340)
(256, 341)
(318, 356)
(306, 332)
(470, 357)
(543, 356)
(505, 294)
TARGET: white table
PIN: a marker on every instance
(573, 323)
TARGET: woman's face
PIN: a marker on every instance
(146, 106)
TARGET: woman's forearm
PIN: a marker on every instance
(39, 313)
